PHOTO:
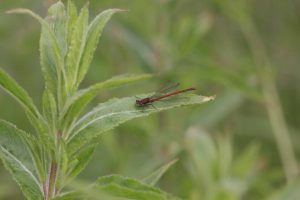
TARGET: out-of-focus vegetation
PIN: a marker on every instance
(245, 145)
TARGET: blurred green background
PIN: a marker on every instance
(244, 145)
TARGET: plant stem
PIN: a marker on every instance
(280, 129)
(271, 100)
(51, 187)
(52, 180)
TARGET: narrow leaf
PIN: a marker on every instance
(76, 47)
(110, 114)
(16, 157)
(16, 91)
(63, 165)
(57, 19)
(78, 101)
(50, 108)
(72, 17)
(39, 161)
(82, 159)
(129, 188)
(94, 33)
(53, 50)
(156, 175)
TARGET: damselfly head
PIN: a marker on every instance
(138, 103)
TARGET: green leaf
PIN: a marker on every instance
(79, 100)
(203, 154)
(72, 18)
(16, 91)
(110, 114)
(16, 157)
(57, 19)
(82, 159)
(129, 188)
(153, 178)
(246, 161)
(67, 196)
(43, 131)
(53, 50)
(78, 39)
(37, 156)
(94, 33)
(50, 108)
(64, 160)
(63, 165)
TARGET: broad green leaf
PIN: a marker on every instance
(50, 53)
(78, 39)
(16, 157)
(110, 114)
(153, 178)
(129, 188)
(94, 32)
(16, 91)
(79, 100)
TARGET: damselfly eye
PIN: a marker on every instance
(138, 103)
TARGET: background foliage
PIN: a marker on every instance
(227, 149)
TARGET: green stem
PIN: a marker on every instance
(271, 100)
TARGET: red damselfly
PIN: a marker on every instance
(161, 95)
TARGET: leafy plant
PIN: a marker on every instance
(217, 172)
(64, 141)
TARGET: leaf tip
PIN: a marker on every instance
(18, 11)
(12, 11)
(210, 98)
